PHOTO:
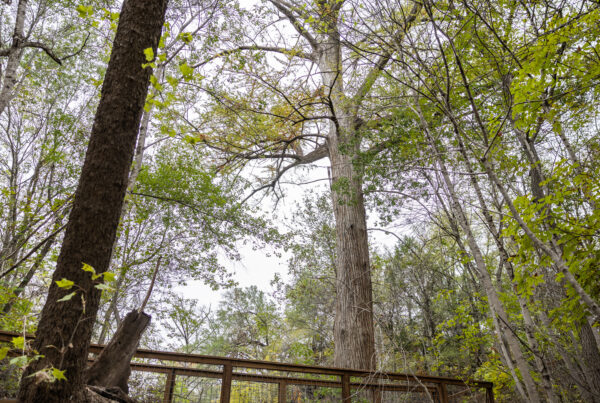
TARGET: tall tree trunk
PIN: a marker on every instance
(353, 326)
(591, 359)
(64, 330)
(354, 334)
(542, 368)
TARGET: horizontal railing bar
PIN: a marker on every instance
(274, 366)
(238, 376)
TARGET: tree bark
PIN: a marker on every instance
(354, 334)
(64, 330)
(112, 367)
(591, 359)
(353, 326)
(14, 57)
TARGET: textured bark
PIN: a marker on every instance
(135, 170)
(112, 367)
(353, 325)
(64, 330)
(14, 57)
(354, 333)
(591, 359)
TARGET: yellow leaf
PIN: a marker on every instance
(88, 268)
(64, 283)
(58, 374)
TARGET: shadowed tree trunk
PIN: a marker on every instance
(64, 330)
(112, 367)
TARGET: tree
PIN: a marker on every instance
(476, 93)
(293, 115)
(65, 327)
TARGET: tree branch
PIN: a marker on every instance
(316, 155)
(284, 51)
(32, 251)
(383, 59)
(295, 23)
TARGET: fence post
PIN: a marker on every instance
(169, 386)
(377, 395)
(346, 388)
(282, 392)
(226, 383)
(489, 391)
(443, 393)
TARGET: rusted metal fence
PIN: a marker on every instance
(353, 384)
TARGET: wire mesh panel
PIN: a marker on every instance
(253, 392)
(147, 387)
(310, 394)
(465, 394)
(414, 396)
(196, 390)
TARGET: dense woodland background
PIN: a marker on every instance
(466, 130)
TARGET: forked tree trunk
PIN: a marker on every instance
(65, 328)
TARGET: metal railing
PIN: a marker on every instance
(350, 382)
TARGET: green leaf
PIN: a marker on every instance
(58, 374)
(172, 81)
(186, 70)
(149, 53)
(18, 342)
(3, 352)
(108, 276)
(103, 287)
(67, 297)
(20, 361)
(186, 37)
(64, 283)
(84, 11)
(88, 268)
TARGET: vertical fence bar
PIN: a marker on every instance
(282, 393)
(169, 387)
(443, 393)
(226, 383)
(346, 388)
(489, 392)
(377, 395)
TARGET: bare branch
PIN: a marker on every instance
(32, 251)
(284, 51)
(141, 309)
(39, 45)
(285, 10)
(46, 49)
(382, 61)
(315, 155)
